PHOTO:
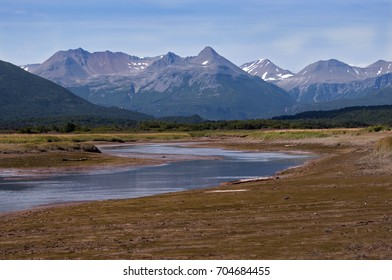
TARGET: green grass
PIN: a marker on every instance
(25, 143)
(285, 134)
(297, 134)
(98, 137)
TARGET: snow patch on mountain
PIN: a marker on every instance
(266, 70)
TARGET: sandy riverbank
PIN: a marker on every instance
(335, 207)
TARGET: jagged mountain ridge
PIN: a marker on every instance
(172, 85)
(103, 78)
(207, 84)
(325, 81)
(163, 74)
(323, 71)
(74, 66)
(327, 92)
(332, 72)
(328, 80)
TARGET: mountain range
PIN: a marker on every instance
(211, 86)
(331, 83)
(208, 84)
(73, 67)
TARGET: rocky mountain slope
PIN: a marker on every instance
(328, 81)
(211, 86)
(75, 66)
(207, 84)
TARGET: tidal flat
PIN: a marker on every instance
(337, 206)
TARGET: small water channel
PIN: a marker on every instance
(194, 168)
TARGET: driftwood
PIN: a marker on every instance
(74, 159)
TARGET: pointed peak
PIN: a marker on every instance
(266, 69)
(207, 56)
(208, 51)
(171, 54)
(170, 58)
(165, 60)
(265, 62)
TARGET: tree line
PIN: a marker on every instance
(159, 125)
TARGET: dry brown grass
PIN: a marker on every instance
(384, 146)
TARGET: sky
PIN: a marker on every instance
(291, 33)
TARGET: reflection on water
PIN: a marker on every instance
(144, 181)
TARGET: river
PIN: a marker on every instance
(194, 168)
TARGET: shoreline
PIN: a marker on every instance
(157, 160)
(138, 160)
(77, 203)
(146, 160)
(337, 206)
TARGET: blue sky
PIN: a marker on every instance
(290, 33)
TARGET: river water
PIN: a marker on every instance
(204, 167)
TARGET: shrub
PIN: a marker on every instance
(378, 128)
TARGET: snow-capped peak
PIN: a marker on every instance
(267, 70)
(380, 67)
(249, 68)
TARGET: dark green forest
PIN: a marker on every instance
(379, 117)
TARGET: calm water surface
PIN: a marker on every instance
(144, 181)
